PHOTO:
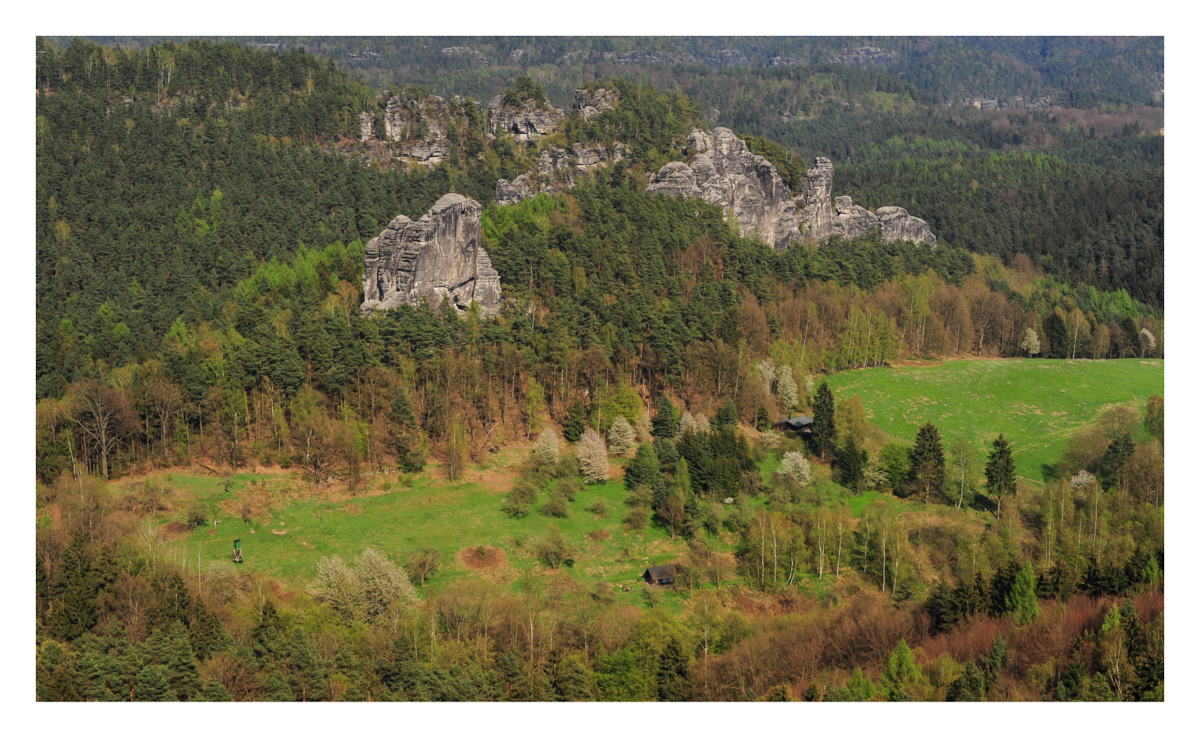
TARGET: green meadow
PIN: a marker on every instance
(1035, 403)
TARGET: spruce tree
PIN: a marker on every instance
(1022, 600)
(55, 675)
(1001, 476)
(213, 691)
(726, 417)
(822, 425)
(970, 686)
(75, 589)
(275, 688)
(849, 463)
(571, 681)
(309, 682)
(180, 661)
(576, 422)
(406, 435)
(154, 685)
(207, 633)
(674, 673)
(643, 469)
(666, 421)
(927, 461)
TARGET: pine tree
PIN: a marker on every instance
(822, 425)
(927, 461)
(674, 673)
(1001, 476)
(1022, 601)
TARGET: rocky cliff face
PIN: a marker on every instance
(526, 121)
(557, 170)
(437, 257)
(593, 102)
(817, 216)
(721, 170)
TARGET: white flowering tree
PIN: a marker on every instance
(771, 438)
(1031, 343)
(642, 427)
(1148, 342)
(796, 468)
(786, 388)
(593, 457)
(621, 438)
(546, 449)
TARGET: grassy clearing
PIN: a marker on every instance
(1035, 403)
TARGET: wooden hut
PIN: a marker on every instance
(661, 576)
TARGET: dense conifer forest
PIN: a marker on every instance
(202, 214)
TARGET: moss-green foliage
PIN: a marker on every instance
(789, 164)
(1035, 403)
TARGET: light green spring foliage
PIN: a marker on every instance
(1022, 601)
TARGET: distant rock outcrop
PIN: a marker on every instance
(437, 257)
(720, 169)
(557, 171)
(724, 172)
(526, 120)
(593, 102)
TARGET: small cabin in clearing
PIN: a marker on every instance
(661, 576)
(798, 424)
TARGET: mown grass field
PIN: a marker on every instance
(1035, 403)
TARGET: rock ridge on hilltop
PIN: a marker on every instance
(720, 169)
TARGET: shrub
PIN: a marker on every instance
(556, 506)
(639, 518)
(598, 508)
(569, 487)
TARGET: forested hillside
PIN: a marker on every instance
(202, 215)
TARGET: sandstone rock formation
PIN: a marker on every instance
(593, 102)
(557, 171)
(437, 257)
(721, 170)
(519, 189)
(817, 215)
(526, 121)
(419, 128)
